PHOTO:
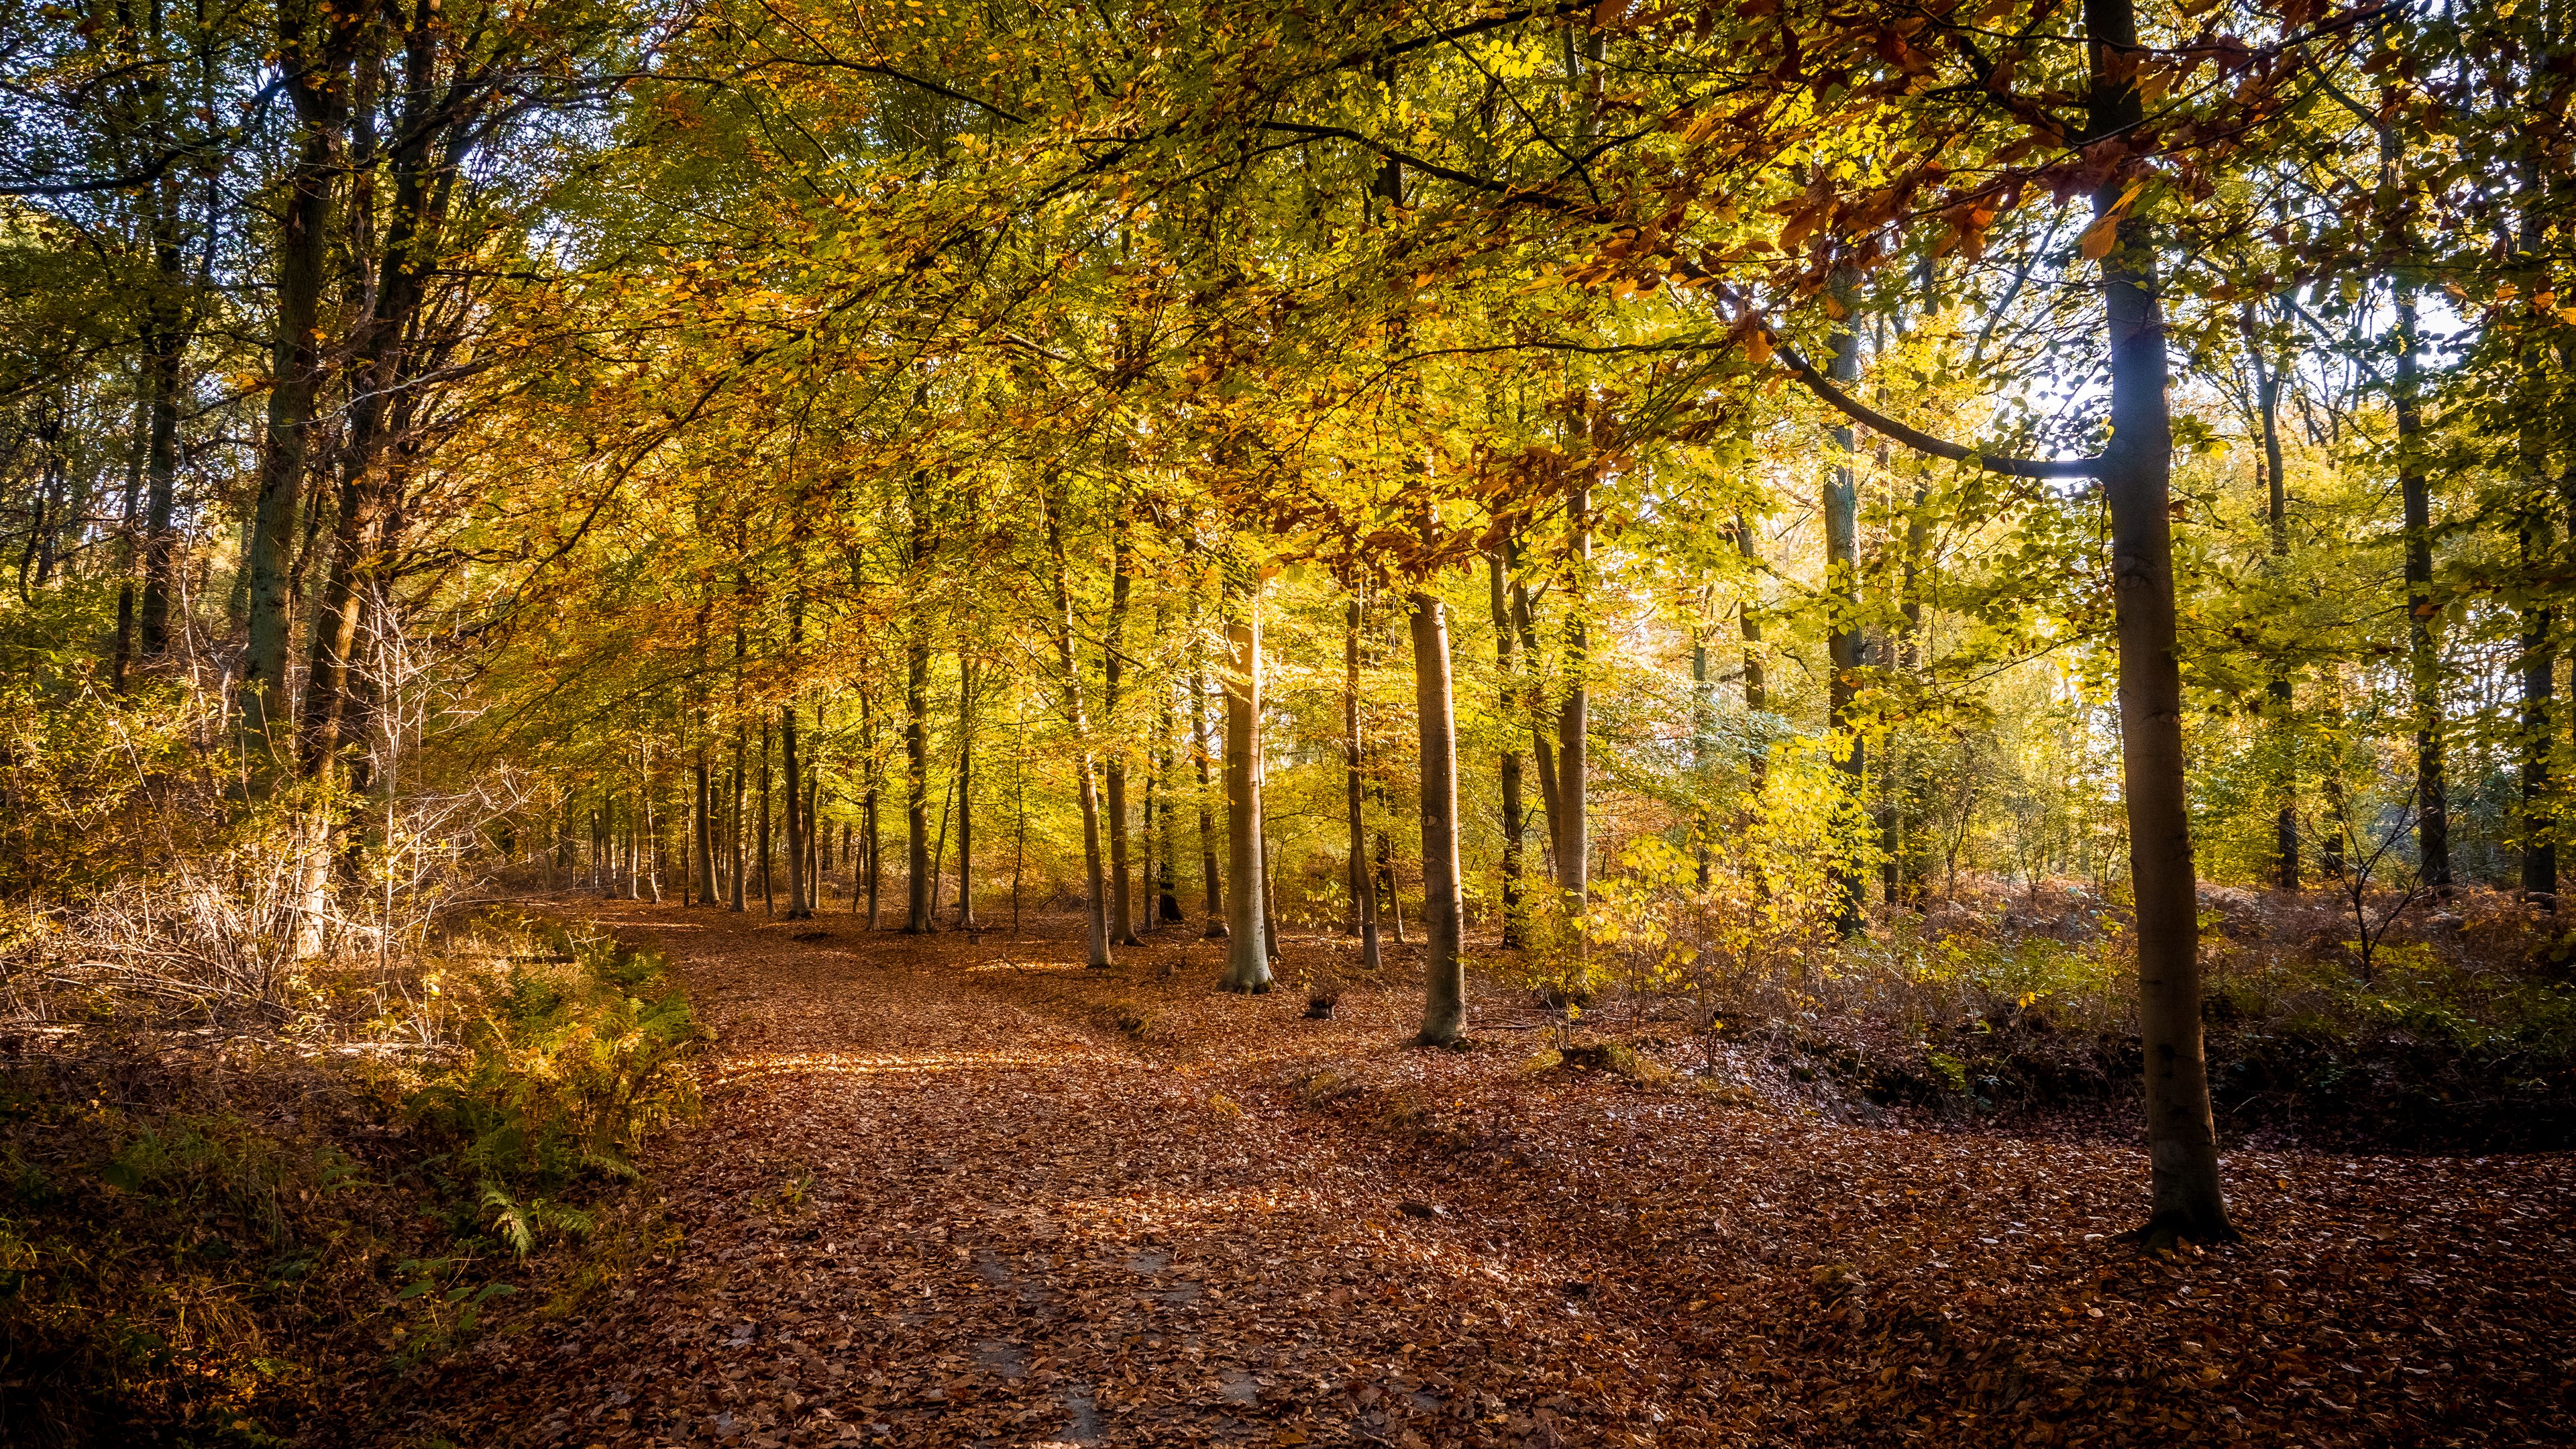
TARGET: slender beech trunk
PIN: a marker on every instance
(916, 755)
(1703, 729)
(734, 788)
(794, 779)
(1087, 791)
(702, 808)
(1508, 767)
(1444, 997)
(1542, 747)
(2279, 694)
(1122, 919)
(966, 682)
(1363, 888)
(1167, 910)
(1757, 698)
(1842, 600)
(768, 896)
(2423, 649)
(871, 854)
(1201, 753)
(2135, 470)
(1247, 945)
(2539, 677)
(314, 84)
(1574, 715)
(162, 367)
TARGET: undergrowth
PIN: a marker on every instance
(223, 1240)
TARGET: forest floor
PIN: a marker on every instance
(961, 1191)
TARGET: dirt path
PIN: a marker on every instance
(965, 1193)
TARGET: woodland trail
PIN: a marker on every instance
(943, 1196)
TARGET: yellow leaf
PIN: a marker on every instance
(2098, 238)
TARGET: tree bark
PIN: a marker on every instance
(1842, 601)
(1087, 792)
(966, 682)
(1508, 766)
(1363, 889)
(1247, 944)
(315, 83)
(1202, 754)
(1757, 698)
(2423, 649)
(916, 807)
(1574, 715)
(789, 768)
(2279, 693)
(1122, 919)
(1444, 1003)
(2135, 471)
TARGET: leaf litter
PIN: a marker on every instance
(960, 1191)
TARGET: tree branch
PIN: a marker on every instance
(1923, 442)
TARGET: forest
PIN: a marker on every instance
(1529, 722)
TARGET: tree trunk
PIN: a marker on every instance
(1842, 602)
(1247, 945)
(965, 792)
(916, 755)
(2423, 650)
(871, 853)
(703, 806)
(735, 787)
(2279, 694)
(1703, 728)
(313, 83)
(1363, 889)
(1122, 919)
(794, 777)
(1444, 999)
(1087, 792)
(1167, 910)
(2135, 472)
(162, 382)
(768, 895)
(1574, 716)
(1202, 753)
(1525, 624)
(1757, 699)
(1508, 766)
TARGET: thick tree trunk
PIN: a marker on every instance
(1122, 918)
(916, 806)
(1363, 890)
(1508, 766)
(1444, 999)
(2135, 472)
(1247, 945)
(1842, 601)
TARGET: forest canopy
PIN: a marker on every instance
(1677, 494)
